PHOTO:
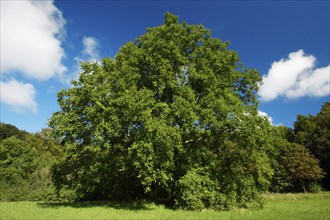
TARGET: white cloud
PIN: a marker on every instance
(295, 77)
(31, 33)
(90, 52)
(19, 96)
(265, 115)
(91, 48)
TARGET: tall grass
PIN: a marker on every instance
(278, 206)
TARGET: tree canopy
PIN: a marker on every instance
(8, 130)
(172, 118)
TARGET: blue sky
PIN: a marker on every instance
(286, 41)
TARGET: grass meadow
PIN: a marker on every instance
(277, 206)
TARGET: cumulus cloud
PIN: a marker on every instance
(295, 77)
(19, 96)
(91, 48)
(31, 34)
(90, 52)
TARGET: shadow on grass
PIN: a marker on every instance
(135, 205)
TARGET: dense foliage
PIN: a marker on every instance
(295, 168)
(314, 133)
(172, 118)
(25, 162)
(8, 130)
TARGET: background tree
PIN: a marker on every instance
(25, 165)
(172, 110)
(295, 168)
(302, 166)
(314, 133)
(281, 180)
(8, 130)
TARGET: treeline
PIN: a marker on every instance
(25, 164)
(313, 132)
(299, 159)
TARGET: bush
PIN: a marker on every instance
(17, 192)
(314, 187)
(198, 191)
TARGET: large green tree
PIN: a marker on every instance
(172, 118)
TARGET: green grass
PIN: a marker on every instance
(277, 206)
